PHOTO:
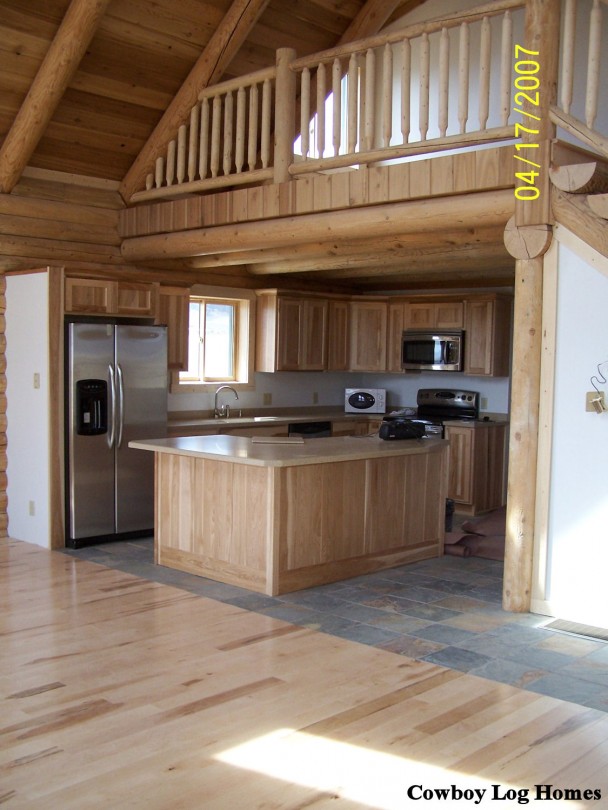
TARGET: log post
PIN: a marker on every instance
(527, 237)
(284, 115)
(523, 440)
(3, 425)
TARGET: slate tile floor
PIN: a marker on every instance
(446, 610)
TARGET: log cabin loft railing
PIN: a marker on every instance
(441, 85)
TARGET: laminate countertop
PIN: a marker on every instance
(277, 452)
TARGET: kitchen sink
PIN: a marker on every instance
(265, 418)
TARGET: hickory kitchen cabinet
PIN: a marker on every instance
(173, 311)
(487, 350)
(448, 314)
(89, 296)
(368, 335)
(291, 332)
(477, 465)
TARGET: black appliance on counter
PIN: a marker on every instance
(434, 407)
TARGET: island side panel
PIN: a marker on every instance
(373, 514)
(212, 519)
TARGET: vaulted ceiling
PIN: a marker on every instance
(136, 55)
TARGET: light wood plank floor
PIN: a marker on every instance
(122, 693)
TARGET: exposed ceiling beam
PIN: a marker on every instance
(371, 18)
(210, 66)
(58, 66)
(482, 210)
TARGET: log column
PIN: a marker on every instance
(3, 456)
(527, 237)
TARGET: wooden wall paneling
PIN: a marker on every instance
(420, 178)
(322, 197)
(303, 516)
(340, 190)
(3, 456)
(57, 409)
(250, 517)
(442, 175)
(377, 184)
(385, 504)
(344, 489)
(465, 172)
(399, 181)
(422, 524)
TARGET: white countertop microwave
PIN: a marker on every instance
(365, 400)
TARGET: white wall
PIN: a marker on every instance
(27, 407)
(577, 548)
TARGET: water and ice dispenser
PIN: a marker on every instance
(91, 407)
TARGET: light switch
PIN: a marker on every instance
(36, 380)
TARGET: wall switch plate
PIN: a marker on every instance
(595, 402)
(32, 508)
(267, 399)
(36, 380)
(484, 403)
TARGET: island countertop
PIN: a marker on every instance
(277, 452)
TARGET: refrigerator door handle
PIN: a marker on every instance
(121, 403)
(112, 431)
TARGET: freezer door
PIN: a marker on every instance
(141, 376)
(89, 430)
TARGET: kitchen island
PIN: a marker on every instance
(277, 515)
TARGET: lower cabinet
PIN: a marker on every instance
(477, 466)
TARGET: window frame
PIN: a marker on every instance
(244, 344)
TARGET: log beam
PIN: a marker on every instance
(523, 441)
(58, 66)
(438, 214)
(219, 52)
(573, 211)
(581, 178)
(527, 241)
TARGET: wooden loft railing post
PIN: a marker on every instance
(284, 117)
(527, 237)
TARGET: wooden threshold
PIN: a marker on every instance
(119, 692)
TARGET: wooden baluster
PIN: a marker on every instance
(321, 94)
(423, 110)
(370, 86)
(203, 152)
(241, 109)
(362, 103)
(593, 63)
(193, 142)
(170, 167)
(216, 125)
(159, 171)
(484, 73)
(505, 68)
(252, 141)
(228, 132)
(336, 89)
(463, 77)
(387, 95)
(444, 80)
(406, 79)
(353, 99)
(149, 181)
(305, 112)
(182, 140)
(569, 30)
(266, 122)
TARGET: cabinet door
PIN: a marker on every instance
(90, 296)
(460, 465)
(396, 325)
(479, 337)
(338, 336)
(133, 298)
(449, 315)
(173, 313)
(313, 335)
(419, 315)
(289, 327)
(368, 336)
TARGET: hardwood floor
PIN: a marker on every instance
(120, 692)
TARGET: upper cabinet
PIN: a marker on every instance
(368, 325)
(291, 332)
(434, 315)
(87, 296)
(304, 332)
(487, 349)
(173, 310)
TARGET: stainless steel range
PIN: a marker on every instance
(438, 405)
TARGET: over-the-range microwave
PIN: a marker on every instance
(432, 350)
(364, 400)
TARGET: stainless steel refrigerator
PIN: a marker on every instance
(117, 392)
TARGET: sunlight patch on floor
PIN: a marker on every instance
(377, 780)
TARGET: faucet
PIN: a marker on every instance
(224, 410)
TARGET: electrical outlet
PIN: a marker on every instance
(36, 380)
(595, 402)
(484, 403)
(315, 397)
(267, 399)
